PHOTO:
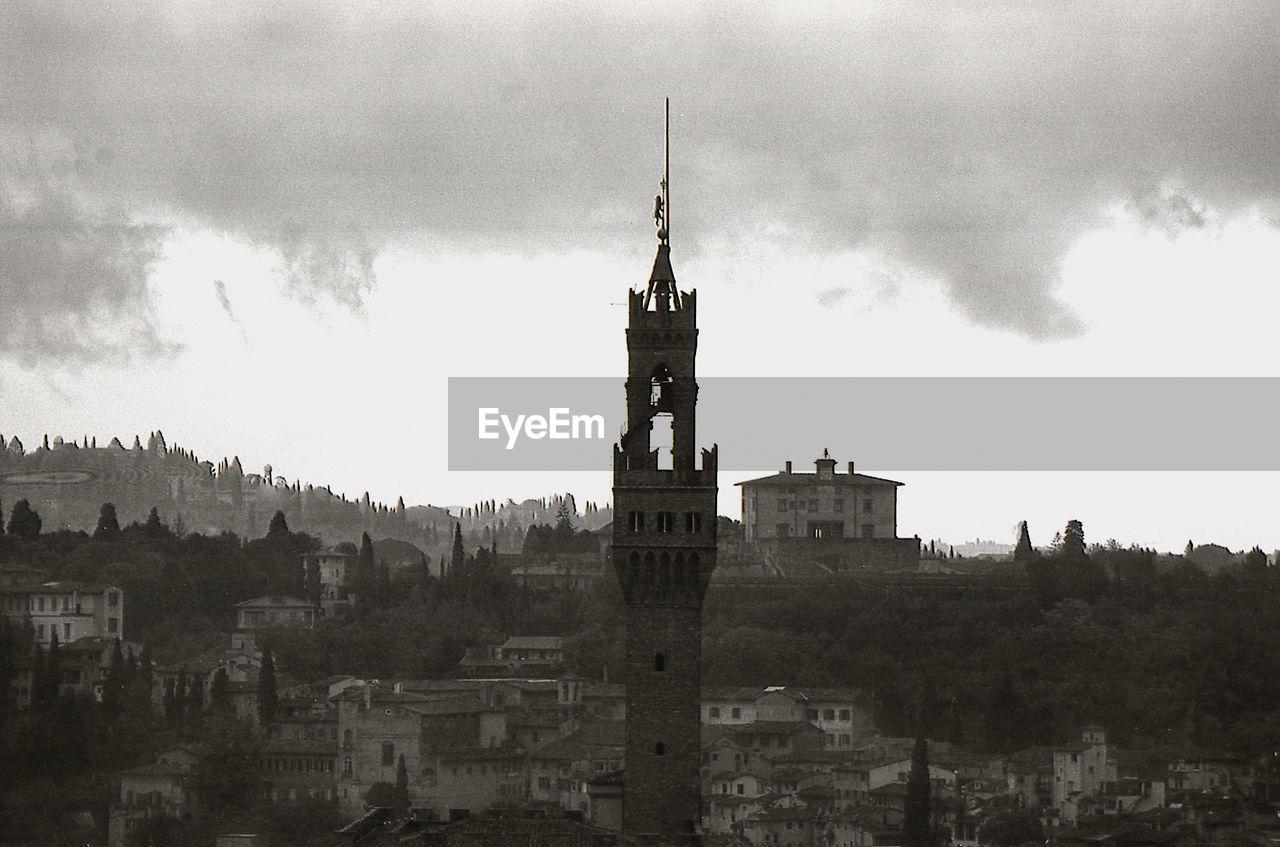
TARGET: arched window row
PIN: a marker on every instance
(662, 575)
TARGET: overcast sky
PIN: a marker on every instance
(274, 230)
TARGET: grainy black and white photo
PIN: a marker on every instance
(740, 424)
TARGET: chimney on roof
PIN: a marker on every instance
(851, 468)
(826, 466)
(788, 466)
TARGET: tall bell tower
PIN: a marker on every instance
(664, 549)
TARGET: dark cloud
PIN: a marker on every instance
(73, 279)
(975, 141)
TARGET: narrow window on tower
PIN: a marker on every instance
(636, 521)
(693, 522)
(659, 662)
(659, 749)
(666, 521)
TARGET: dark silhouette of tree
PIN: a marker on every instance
(179, 700)
(1012, 827)
(113, 687)
(1073, 540)
(170, 702)
(917, 812)
(1255, 563)
(219, 694)
(268, 698)
(311, 587)
(108, 528)
(24, 521)
(1006, 719)
(1023, 551)
(153, 528)
(402, 775)
(458, 557)
(277, 526)
(364, 580)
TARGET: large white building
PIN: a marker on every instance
(68, 610)
(823, 505)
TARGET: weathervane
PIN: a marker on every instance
(662, 203)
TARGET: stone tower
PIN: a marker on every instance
(664, 548)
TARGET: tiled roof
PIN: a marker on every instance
(275, 601)
(784, 478)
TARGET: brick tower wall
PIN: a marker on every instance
(662, 793)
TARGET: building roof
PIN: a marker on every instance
(60, 587)
(275, 601)
(533, 642)
(793, 478)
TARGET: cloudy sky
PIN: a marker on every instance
(275, 230)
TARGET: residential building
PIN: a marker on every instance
(377, 725)
(842, 521)
(170, 786)
(1080, 771)
(334, 569)
(66, 610)
(272, 611)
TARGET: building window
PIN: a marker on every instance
(735, 713)
(693, 522)
(636, 521)
(866, 504)
(782, 504)
(40, 632)
(715, 711)
(66, 632)
(828, 714)
(844, 714)
(40, 603)
(813, 714)
(388, 753)
(666, 521)
(113, 625)
(659, 662)
(346, 768)
(659, 749)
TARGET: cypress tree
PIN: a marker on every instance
(170, 702)
(153, 528)
(113, 686)
(917, 822)
(108, 528)
(219, 695)
(1023, 552)
(278, 526)
(180, 698)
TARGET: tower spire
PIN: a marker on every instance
(662, 281)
